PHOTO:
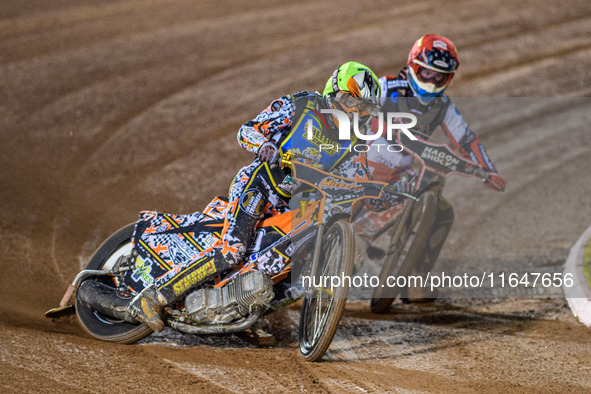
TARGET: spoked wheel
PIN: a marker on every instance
(97, 324)
(322, 306)
(405, 250)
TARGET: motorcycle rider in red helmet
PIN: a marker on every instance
(419, 89)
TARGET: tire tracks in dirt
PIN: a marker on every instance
(534, 159)
(56, 189)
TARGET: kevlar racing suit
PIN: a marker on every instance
(441, 112)
(397, 96)
(259, 190)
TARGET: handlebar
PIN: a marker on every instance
(482, 175)
(390, 190)
(286, 162)
(485, 176)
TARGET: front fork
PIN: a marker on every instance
(316, 258)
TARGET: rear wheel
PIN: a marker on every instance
(99, 325)
(405, 251)
(322, 306)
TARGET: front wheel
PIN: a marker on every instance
(323, 306)
(99, 325)
(405, 251)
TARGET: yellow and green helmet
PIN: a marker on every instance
(356, 79)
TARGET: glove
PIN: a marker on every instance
(268, 152)
(496, 178)
(400, 186)
(403, 186)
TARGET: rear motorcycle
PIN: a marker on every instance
(316, 238)
(409, 230)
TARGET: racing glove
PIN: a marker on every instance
(268, 152)
(496, 183)
(400, 186)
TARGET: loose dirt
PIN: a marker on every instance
(112, 107)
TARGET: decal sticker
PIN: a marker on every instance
(142, 271)
(194, 277)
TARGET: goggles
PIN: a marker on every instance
(363, 107)
(439, 79)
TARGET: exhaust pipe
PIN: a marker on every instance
(109, 301)
(105, 299)
(219, 328)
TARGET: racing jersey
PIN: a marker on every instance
(440, 112)
(275, 123)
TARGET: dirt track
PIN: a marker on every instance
(108, 108)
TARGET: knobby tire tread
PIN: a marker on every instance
(332, 323)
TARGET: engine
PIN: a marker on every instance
(230, 302)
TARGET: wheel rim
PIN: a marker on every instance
(322, 301)
(123, 250)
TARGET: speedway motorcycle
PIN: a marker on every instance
(316, 237)
(408, 231)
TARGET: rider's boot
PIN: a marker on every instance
(146, 307)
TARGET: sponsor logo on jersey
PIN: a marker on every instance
(316, 137)
(252, 202)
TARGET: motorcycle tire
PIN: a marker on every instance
(99, 325)
(409, 248)
(318, 322)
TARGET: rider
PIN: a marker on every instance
(263, 188)
(419, 89)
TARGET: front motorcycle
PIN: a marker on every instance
(316, 238)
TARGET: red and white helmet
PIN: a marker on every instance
(432, 62)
